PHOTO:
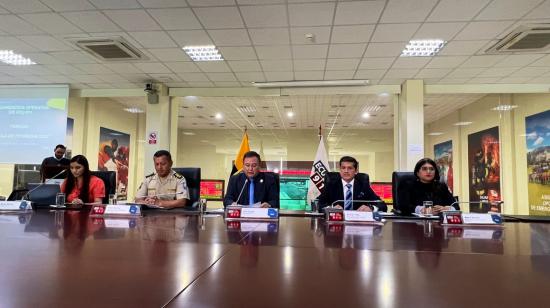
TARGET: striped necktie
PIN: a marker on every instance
(348, 198)
(251, 192)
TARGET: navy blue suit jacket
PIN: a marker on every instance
(265, 189)
(334, 191)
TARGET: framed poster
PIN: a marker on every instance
(114, 155)
(537, 132)
(443, 156)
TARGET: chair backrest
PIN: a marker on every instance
(334, 176)
(400, 183)
(277, 182)
(109, 179)
(17, 194)
(193, 179)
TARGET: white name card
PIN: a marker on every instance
(361, 216)
(115, 209)
(367, 231)
(120, 223)
(15, 205)
(481, 219)
(258, 226)
(484, 233)
(254, 212)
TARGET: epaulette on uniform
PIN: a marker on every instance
(150, 175)
(178, 176)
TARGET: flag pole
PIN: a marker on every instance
(320, 132)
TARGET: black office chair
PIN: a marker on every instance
(334, 176)
(193, 179)
(400, 185)
(109, 179)
(278, 183)
(17, 194)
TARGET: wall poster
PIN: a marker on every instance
(114, 155)
(443, 156)
(537, 131)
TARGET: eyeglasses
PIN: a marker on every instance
(427, 169)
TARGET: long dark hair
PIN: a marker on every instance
(424, 161)
(71, 180)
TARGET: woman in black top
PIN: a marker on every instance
(427, 187)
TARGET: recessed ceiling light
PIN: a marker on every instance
(504, 107)
(219, 116)
(422, 48)
(203, 53)
(384, 94)
(9, 57)
(189, 133)
(464, 123)
(435, 134)
(365, 115)
(290, 114)
(133, 110)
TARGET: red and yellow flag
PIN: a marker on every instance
(245, 147)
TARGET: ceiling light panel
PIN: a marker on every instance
(422, 48)
(203, 53)
(9, 57)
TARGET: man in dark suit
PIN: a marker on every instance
(251, 186)
(349, 186)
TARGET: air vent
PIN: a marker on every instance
(526, 38)
(110, 49)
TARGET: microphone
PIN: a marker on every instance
(362, 201)
(242, 189)
(42, 184)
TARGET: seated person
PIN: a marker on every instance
(81, 186)
(349, 187)
(427, 187)
(163, 188)
(252, 186)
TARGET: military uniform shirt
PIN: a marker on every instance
(171, 187)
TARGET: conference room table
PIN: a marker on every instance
(60, 258)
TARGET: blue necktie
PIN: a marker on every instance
(348, 198)
(251, 192)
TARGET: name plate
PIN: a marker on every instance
(20, 205)
(116, 210)
(251, 213)
(362, 216)
(120, 223)
(458, 218)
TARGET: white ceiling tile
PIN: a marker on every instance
(507, 9)
(338, 75)
(250, 76)
(133, 20)
(479, 80)
(342, 64)
(394, 32)
(211, 2)
(309, 65)
(446, 62)
(110, 77)
(465, 72)
(514, 79)
(91, 21)
(51, 23)
(498, 72)
(124, 68)
(118, 4)
(153, 39)
(245, 2)
(17, 45)
(162, 3)
(152, 68)
(407, 11)
(25, 6)
(400, 73)
(460, 48)
(227, 84)
(393, 81)
(43, 58)
(74, 57)
(452, 10)
(321, 35)
(221, 77)
(193, 84)
(351, 34)
(518, 60)
(220, 17)
(36, 79)
(375, 50)
(183, 67)
(544, 61)
(264, 16)
(433, 73)
(238, 53)
(364, 12)
(191, 37)
(309, 75)
(245, 66)
(483, 61)
(46, 43)
(58, 78)
(542, 11)
(542, 79)
(314, 14)
(346, 50)
(376, 63)
(276, 65)
(175, 19)
(169, 54)
(309, 51)
(453, 80)
(230, 37)
(279, 76)
(14, 25)
(431, 80)
(213, 66)
(483, 30)
(86, 78)
(273, 52)
(194, 77)
(270, 36)
(411, 62)
(68, 5)
(444, 30)
(531, 72)
(64, 69)
(370, 74)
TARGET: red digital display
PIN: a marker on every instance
(382, 190)
(336, 216)
(454, 219)
(233, 213)
(98, 210)
(212, 189)
(233, 225)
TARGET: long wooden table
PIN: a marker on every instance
(68, 259)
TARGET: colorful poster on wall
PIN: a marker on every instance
(443, 156)
(537, 129)
(69, 138)
(484, 170)
(114, 155)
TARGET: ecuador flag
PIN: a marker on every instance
(245, 147)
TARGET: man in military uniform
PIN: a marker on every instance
(163, 188)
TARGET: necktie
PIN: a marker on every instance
(251, 192)
(348, 198)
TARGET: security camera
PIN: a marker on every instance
(149, 88)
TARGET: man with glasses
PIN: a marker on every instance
(252, 187)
